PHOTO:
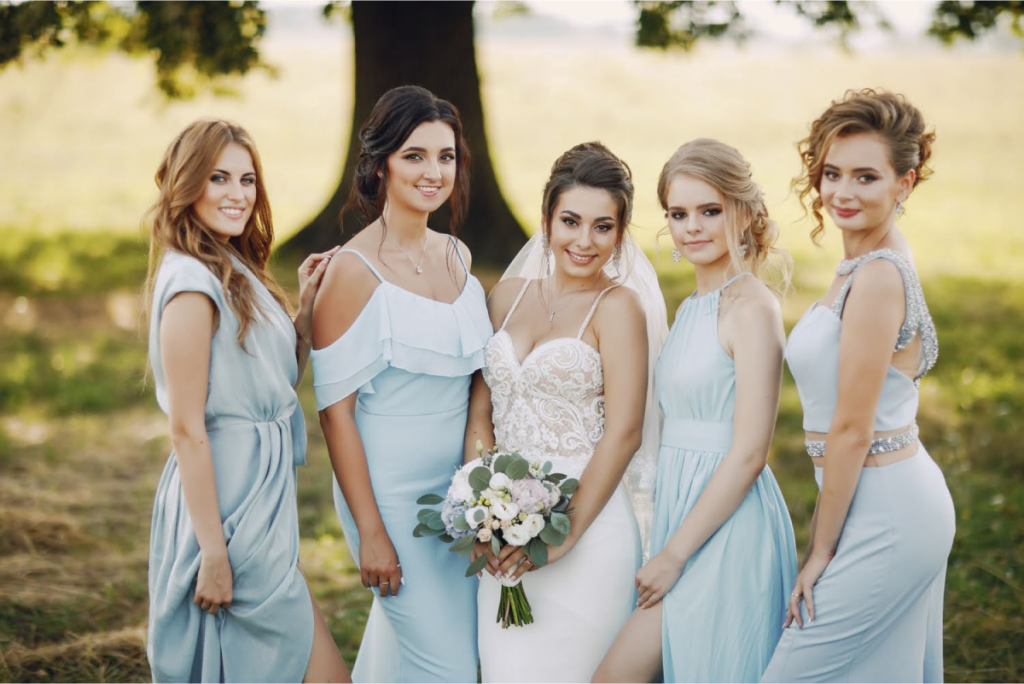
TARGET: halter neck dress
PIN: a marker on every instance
(723, 618)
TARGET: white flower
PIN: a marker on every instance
(460, 489)
(496, 524)
(484, 535)
(491, 495)
(471, 516)
(537, 470)
(516, 535)
(504, 510)
(554, 494)
(500, 481)
(505, 524)
(534, 524)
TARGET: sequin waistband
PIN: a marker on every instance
(816, 448)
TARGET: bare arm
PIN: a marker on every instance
(622, 341)
(480, 425)
(186, 330)
(311, 274)
(755, 335)
(871, 321)
(346, 289)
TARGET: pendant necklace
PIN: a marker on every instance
(423, 250)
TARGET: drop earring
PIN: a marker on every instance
(616, 260)
(676, 256)
(899, 207)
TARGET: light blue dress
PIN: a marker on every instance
(723, 618)
(878, 605)
(257, 437)
(411, 360)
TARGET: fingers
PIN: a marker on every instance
(652, 600)
(507, 551)
(523, 568)
(793, 614)
(510, 561)
(809, 598)
(313, 260)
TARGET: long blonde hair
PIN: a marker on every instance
(181, 178)
(746, 214)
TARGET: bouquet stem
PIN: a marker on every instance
(514, 608)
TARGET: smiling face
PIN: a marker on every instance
(697, 221)
(421, 173)
(859, 186)
(583, 231)
(230, 193)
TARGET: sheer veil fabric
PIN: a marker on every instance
(635, 271)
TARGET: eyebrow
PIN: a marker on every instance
(423, 149)
(228, 173)
(706, 205)
(857, 170)
(576, 216)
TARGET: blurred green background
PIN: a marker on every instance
(82, 443)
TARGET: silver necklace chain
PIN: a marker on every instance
(423, 251)
(553, 311)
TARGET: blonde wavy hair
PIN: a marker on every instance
(174, 225)
(746, 214)
(890, 115)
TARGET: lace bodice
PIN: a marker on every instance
(550, 406)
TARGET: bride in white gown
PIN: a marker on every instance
(566, 381)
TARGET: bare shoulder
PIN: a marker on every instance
(347, 287)
(500, 300)
(619, 306)
(464, 251)
(752, 300)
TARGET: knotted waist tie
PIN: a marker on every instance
(288, 430)
(697, 435)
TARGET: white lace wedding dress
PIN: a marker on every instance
(550, 407)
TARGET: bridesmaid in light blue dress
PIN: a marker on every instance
(712, 597)
(227, 600)
(867, 604)
(400, 327)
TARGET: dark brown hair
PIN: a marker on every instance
(590, 165)
(900, 124)
(182, 177)
(394, 117)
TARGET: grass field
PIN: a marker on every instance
(82, 443)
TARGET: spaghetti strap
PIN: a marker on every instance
(458, 251)
(593, 308)
(515, 303)
(736, 277)
(365, 261)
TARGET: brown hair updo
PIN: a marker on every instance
(900, 124)
(590, 165)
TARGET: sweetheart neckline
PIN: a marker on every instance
(537, 347)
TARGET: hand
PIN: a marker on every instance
(514, 563)
(656, 578)
(379, 566)
(311, 274)
(482, 549)
(814, 566)
(213, 585)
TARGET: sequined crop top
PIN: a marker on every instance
(812, 353)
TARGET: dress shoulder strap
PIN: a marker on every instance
(593, 309)
(917, 320)
(736, 277)
(365, 261)
(515, 303)
(455, 243)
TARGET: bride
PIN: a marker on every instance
(566, 381)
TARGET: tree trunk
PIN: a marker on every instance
(428, 44)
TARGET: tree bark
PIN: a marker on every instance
(428, 44)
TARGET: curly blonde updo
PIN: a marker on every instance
(746, 213)
(890, 115)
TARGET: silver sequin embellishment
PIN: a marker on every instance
(816, 448)
(918, 319)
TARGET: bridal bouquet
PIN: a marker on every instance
(501, 499)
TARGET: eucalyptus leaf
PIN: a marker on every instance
(501, 463)
(431, 532)
(552, 537)
(430, 500)
(546, 468)
(569, 486)
(460, 522)
(555, 477)
(480, 478)
(464, 545)
(537, 551)
(425, 514)
(518, 469)
(420, 530)
(447, 538)
(434, 521)
(560, 522)
(495, 545)
(477, 565)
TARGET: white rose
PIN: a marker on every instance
(534, 524)
(554, 494)
(484, 535)
(505, 524)
(460, 490)
(500, 481)
(495, 524)
(471, 516)
(491, 495)
(504, 510)
(516, 535)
